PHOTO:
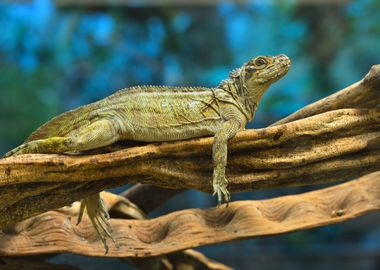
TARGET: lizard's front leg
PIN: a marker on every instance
(219, 153)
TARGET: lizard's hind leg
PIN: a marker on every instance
(98, 214)
(46, 146)
(98, 134)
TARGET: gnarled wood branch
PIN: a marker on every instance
(54, 231)
(118, 207)
(327, 147)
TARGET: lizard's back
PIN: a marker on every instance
(146, 113)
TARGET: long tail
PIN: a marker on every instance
(63, 124)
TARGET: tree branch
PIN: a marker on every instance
(120, 207)
(327, 147)
(196, 227)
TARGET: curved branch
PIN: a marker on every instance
(327, 147)
(120, 207)
(54, 232)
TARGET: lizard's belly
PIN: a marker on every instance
(173, 132)
(169, 118)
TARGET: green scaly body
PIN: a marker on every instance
(148, 113)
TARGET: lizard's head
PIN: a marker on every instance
(262, 71)
(250, 81)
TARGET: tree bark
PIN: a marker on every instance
(332, 146)
(56, 232)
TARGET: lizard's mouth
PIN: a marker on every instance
(278, 69)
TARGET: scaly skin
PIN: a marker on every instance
(161, 113)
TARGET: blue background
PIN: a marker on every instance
(55, 57)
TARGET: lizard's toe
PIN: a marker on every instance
(98, 214)
(220, 189)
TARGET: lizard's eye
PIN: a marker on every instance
(260, 62)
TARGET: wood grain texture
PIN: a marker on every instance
(118, 206)
(332, 146)
(55, 232)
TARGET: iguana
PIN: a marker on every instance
(160, 113)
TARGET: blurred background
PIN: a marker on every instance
(57, 55)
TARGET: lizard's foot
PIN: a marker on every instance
(220, 188)
(98, 214)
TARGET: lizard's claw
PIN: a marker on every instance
(220, 189)
(98, 214)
